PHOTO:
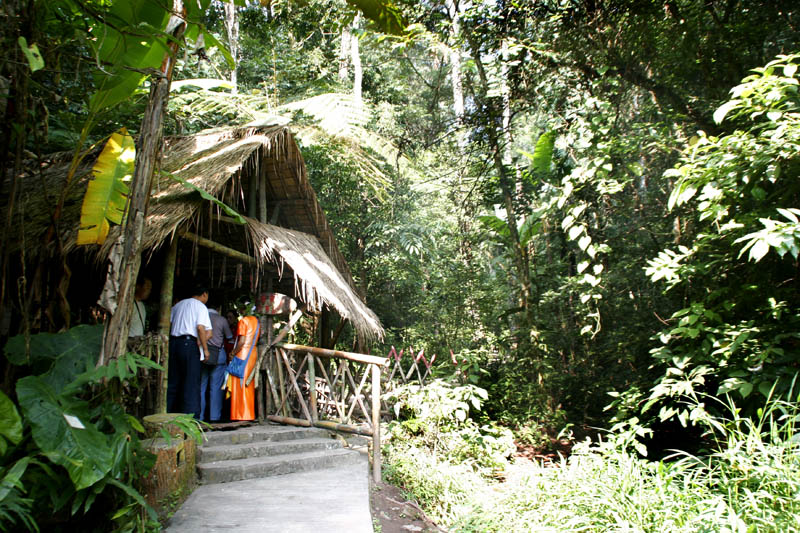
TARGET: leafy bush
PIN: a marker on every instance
(444, 488)
(73, 453)
(749, 482)
(436, 417)
(737, 332)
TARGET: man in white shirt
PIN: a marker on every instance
(189, 332)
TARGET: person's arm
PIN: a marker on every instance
(203, 335)
(238, 348)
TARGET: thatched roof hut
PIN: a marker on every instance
(259, 172)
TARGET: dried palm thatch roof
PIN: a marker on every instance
(228, 164)
(317, 280)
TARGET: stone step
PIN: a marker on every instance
(263, 448)
(258, 467)
(258, 433)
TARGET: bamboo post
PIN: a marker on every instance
(262, 190)
(268, 362)
(281, 382)
(252, 208)
(376, 423)
(312, 388)
(165, 306)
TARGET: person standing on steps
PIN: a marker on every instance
(243, 396)
(189, 332)
(213, 371)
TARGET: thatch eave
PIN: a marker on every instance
(215, 161)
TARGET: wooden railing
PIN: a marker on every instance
(317, 387)
(150, 396)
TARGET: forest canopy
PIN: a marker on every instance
(590, 210)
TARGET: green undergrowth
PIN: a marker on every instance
(748, 481)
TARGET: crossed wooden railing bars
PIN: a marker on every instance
(302, 392)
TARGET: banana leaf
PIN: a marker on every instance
(62, 429)
(108, 191)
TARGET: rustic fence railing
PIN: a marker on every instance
(151, 394)
(317, 387)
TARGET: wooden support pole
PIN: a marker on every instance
(312, 388)
(262, 192)
(165, 307)
(167, 288)
(219, 248)
(376, 423)
(325, 328)
(281, 381)
(252, 191)
(268, 360)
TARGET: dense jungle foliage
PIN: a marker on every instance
(589, 211)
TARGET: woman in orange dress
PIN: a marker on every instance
(243, 397)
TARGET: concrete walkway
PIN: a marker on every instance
(330, 500)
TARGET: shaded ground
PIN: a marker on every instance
(393, 513)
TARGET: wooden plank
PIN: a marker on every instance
(324, 424)
(219, 248)
(323, 352)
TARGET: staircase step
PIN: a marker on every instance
(258, 467)
(261, 433)
(263, 448)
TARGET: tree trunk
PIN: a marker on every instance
(115, 342)
(356, 60)
(344, 55)
(498, 145)
(232, 29)
(455, 64)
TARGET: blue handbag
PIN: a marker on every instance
(237, 366)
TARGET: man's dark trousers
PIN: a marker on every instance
(183, 377)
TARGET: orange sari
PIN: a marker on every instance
(243, 398)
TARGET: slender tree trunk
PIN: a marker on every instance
(356, 60)
(498, 145)
(232, 29)
(147, 154)
(455, 62)
(12, 139)
(344, 55)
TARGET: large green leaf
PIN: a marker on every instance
(205, 194)
(10, 423)
(496, 224)
(32, 54)
(108, 191)
(131, 38)
(385, 15)
(201, 83)
(543, 152)
(62, 430)
(11, 479)
(71, 351)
